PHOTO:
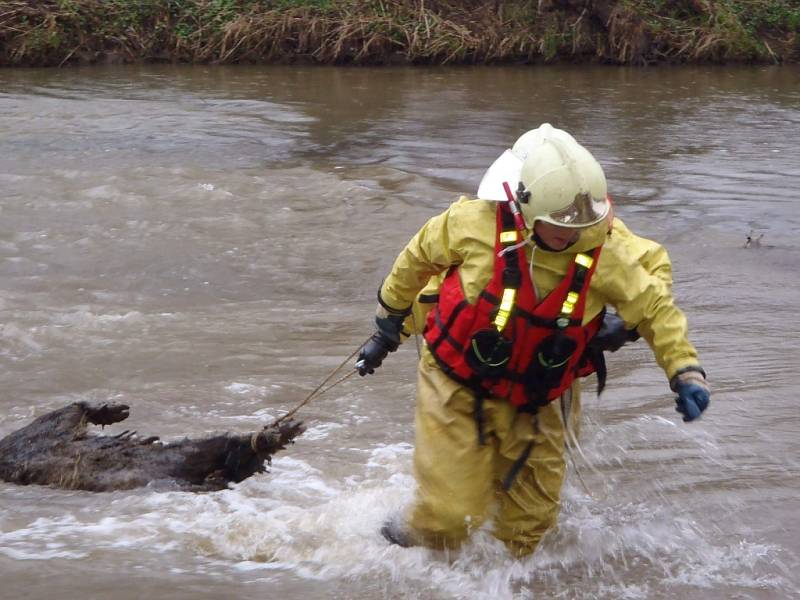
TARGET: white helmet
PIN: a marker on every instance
(559, 180)
(530, 140)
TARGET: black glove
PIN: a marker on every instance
(612, 334)
(385, 339)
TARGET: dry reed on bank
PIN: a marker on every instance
(58, 32)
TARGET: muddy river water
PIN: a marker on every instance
(205, 244)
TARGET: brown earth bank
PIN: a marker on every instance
(639, 32)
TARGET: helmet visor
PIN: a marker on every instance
(582, 212)
(505, 169)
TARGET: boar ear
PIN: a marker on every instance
(106, 414)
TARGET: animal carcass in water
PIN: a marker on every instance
(56, 449)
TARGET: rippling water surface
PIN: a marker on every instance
(204, 244)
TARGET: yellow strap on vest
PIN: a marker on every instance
(586, 261)
(569, 303)
(509, 294)
(506, 305)
(509, 237)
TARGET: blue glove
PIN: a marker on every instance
(693, 393)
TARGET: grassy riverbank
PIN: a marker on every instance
(61, 32)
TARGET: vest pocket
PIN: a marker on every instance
(548, 366)
(488, 353)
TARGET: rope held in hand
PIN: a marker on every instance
(318, 391)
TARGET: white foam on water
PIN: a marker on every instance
(321, 529)
(86, 319)
(20, 340)
(246, 389)
(321, 431)
(40, 540)
(215, 192)
(39, 554)
(390, 455)
(299, 519)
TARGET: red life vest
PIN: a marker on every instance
(507, 344)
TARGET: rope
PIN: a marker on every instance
(571, 444)
(318, 391)
(416, 335)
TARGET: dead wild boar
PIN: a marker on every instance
(57, 449)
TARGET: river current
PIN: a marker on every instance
(205, 244)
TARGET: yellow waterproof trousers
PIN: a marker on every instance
(460, 481)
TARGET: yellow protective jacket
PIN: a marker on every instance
(633, 274)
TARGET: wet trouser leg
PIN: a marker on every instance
(531, 506)
(459, 481)
(454, 473)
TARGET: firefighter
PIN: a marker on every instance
(522, 277)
